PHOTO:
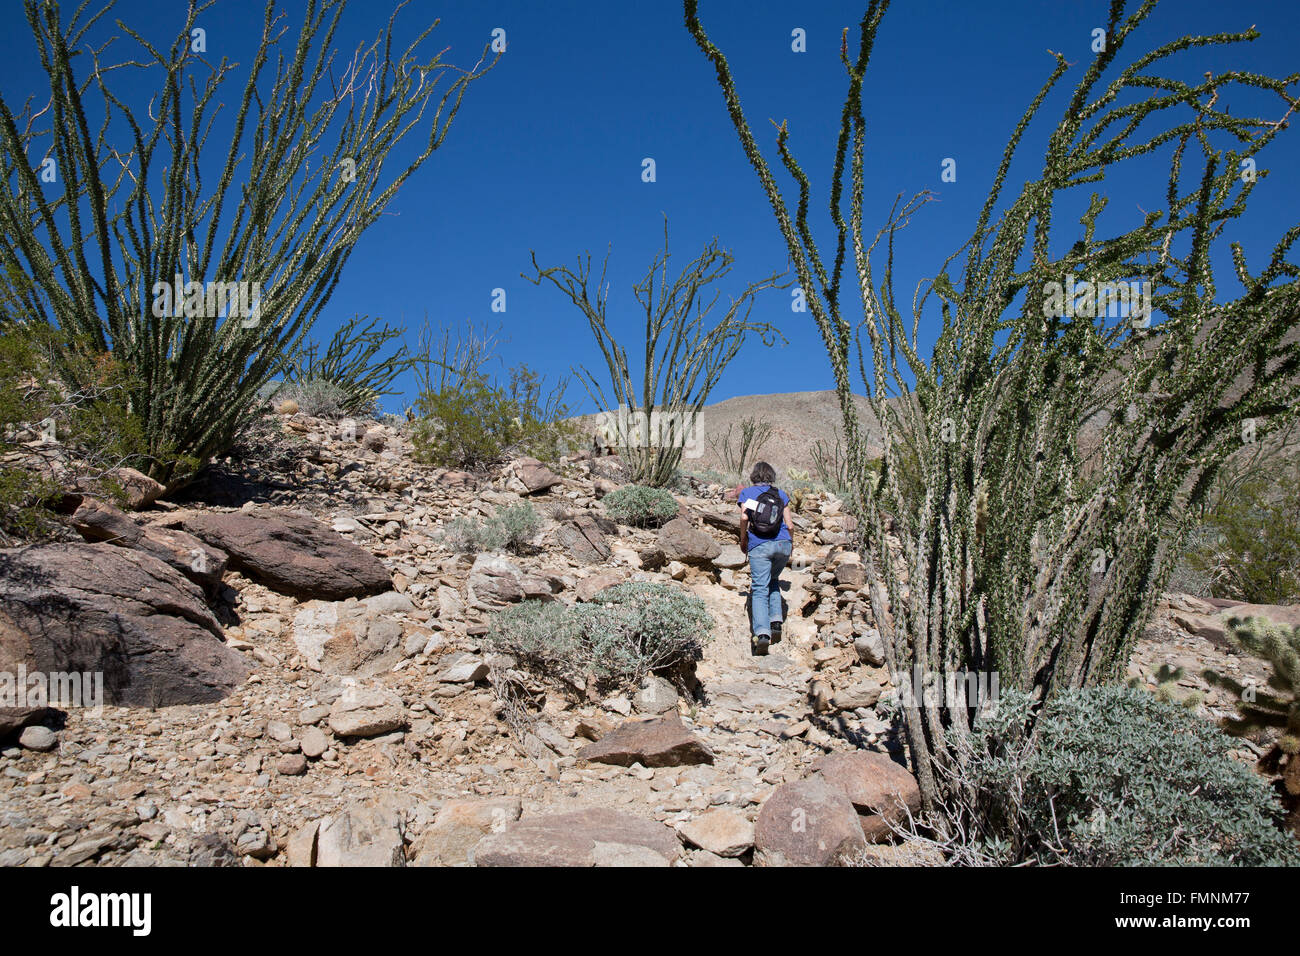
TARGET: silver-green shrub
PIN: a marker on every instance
(1111, 776)
(641, 506)
(519, 524)
(628, 631)
(513, 528)
(466, 535)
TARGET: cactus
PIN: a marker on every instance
(1279, 644)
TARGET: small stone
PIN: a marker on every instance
(38, 738)
(656, 696)
(725, 833)
(314, 742)
(291, 765)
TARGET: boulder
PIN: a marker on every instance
(592, 837)
(807, 823)
(451, 606)
(680, 540)
(587, 588)
(352, 637)
(96, 609)
(360, 836)
(292, 554)
(728, 521)
(96, 520)
(870, 648)
(534, 476)
(313, 742)
(723, 832)
(366, 712)
(862, 694)
(657, 742)
(730, 557)
(457, 480)
(655, 696)
(38, 738)
(495, 580)
(16, 718)
(464, 669)
(458, 828)
(878, 788)
(139, 489)
(750, 696)
(584, 538)
(850, 575)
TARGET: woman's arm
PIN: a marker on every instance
(789, 521)
(744, 532)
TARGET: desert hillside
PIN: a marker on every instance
(301, 673)
(799, 421)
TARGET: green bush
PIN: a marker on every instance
(91, 431)
(519, 524)
(628, 631)
(1115, 777)
(513, 527)
(477, 423)
(1248, 548)
(641, 506)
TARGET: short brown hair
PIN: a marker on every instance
(763, 474)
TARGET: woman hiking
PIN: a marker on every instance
(767, 537)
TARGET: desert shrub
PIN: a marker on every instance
(350, 364)
(513, 527)
(640, 506)
(831, 466)
(316, 397)
(628, 631)
(468, 535)
(519, 524)
(1113, 777)
(476, 423)
(87, 433)
(1248, 547)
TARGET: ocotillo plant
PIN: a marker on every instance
(127, 253)
(736, 451)
(684, 353)
(349, 362)
(1027, 551)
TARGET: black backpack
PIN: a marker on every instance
(766, 518)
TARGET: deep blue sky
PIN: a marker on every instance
(546, 152)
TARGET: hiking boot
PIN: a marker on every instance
(776, 632)
(758, 645)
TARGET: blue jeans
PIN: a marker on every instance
(766, 561)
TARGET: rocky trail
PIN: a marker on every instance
(296, 676)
